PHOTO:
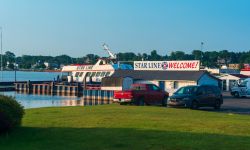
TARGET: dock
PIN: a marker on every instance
(87, 92)
(10, 85)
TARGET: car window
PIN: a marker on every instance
(186, 90)
(216, 89)
(243, 84)
(201, 91)
(138, 88)
(153, 87)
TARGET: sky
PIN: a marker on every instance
(80, 27)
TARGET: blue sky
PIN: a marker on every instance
(79, 27)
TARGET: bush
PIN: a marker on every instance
(11, 113)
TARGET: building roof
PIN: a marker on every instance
(162, 75)
(242, 76)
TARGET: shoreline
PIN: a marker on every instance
(35, 70)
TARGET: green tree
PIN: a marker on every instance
(154, 56)
(11, 66)
(9, 56)
(197, 54)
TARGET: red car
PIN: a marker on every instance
(141, 94)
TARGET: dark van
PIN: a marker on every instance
(197, 96)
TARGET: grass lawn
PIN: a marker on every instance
(128, 127)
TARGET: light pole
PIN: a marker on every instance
(202, 46)
(201, 52)
(1, 53)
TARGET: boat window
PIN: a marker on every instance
(81, 74)
(98, 74)
(103, 73)
(77, 74)
(88, 74)
(107, 74)
(93, 74)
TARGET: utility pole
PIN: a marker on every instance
(1, 53)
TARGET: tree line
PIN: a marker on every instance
(212, 59)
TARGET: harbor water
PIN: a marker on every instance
(39, 100)
(28, 75)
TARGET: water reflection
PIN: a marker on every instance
(41, 100)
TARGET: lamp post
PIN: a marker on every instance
(201, 52)
(202, 46)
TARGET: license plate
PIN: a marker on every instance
(125, 100)
(122, 100)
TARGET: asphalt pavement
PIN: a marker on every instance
(236, 105)
(233, 105)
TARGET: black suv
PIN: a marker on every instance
(197, 96)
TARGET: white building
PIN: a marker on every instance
(245, 72)
(46, 64)
(169, 81)
(228, 80)
(222, 70)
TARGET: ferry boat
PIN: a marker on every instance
(104, 67)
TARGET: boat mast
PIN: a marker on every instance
(111, 55)
(1, 53)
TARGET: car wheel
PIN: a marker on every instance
(195, 105)
(236, 94)
(164, 101)
(217, 104)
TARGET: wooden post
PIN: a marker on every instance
(28, 87)
(79, 89)
(85, 83)
(52, 88)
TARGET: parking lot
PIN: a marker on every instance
(233, 105)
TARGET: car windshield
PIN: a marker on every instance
(186, 90)
(243, 84)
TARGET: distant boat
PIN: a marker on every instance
(104, 67)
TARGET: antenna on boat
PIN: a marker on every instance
(111, 55)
